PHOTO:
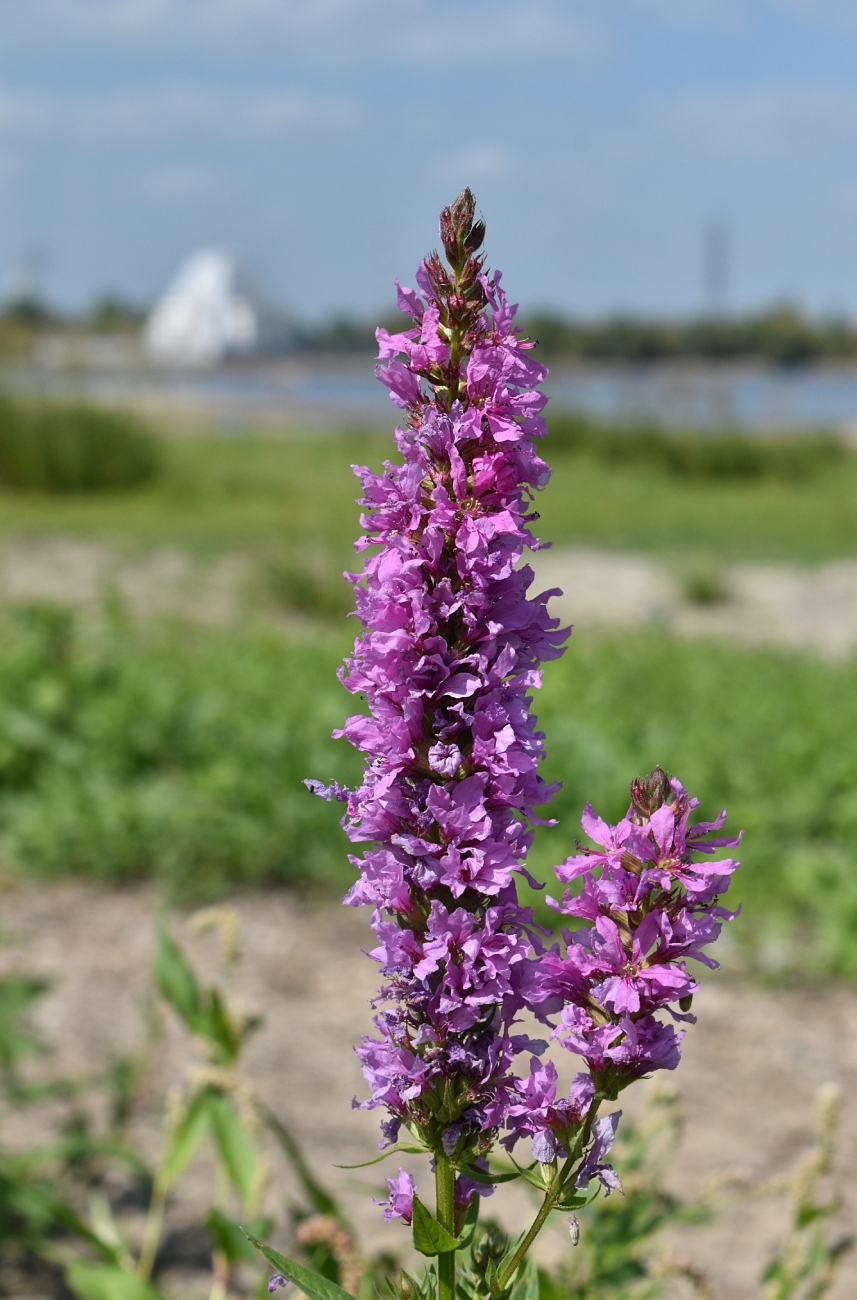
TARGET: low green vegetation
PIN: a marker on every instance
(290, 501)
(180, 754)
(71, 1205)
(724, 456)
(769, 736)
(70, 449)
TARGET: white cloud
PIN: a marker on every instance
(473, 163)
(325, 31)
(171, 112)
(760, 124)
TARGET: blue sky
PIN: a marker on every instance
(319, 138)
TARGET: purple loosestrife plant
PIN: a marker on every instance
(451, 646)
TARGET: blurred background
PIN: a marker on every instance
(203, 207)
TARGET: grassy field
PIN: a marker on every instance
(295, 496)
(176, 752)
(180, 754)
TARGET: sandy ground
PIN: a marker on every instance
(812, 608)
(750, 1071)
(166, 582)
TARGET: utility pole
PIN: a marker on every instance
(716, 260)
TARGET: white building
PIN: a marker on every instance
(207, 313)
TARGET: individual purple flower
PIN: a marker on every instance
(400, 1203)
(276, 1281)
(466, 1189)
(552, 1122)
(595, 1166)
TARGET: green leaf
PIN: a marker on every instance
(176, 980)
(95, 1282)
(526, 1285)
(312, 1284)
(401, 1148)
(573, 1202)
(234, 1145)
(186, 1138)
(529, 1176)
(470, 1220)
(216, 1025)
(488, 1178)
(430, 1237)
(16, 997)
(321, 1201)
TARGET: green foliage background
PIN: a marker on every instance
(181, 753)
(131, 750)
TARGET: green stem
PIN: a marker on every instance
(552, 1194)
(152, 1233)
(444, 1179)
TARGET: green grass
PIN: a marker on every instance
(294, 497)
(61, 449)
(771, 737)
(180, 755)
(639, 508)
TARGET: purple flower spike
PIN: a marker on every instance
(650, 907)
(452, 644)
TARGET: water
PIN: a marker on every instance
(337, 392)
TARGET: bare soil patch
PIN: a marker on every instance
(750, 1071)
(805, 608)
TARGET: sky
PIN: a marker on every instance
(318, 139)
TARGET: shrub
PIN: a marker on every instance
(73, 448)
(691, 455)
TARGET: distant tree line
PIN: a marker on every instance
(782, 336)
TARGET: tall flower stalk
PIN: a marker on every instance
(452, 644)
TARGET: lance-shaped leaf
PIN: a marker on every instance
(234, 1145)
(312, 1284)
(320, 1199)
(189, 1132)
(526, 1285)
(430, 1237)
(486, 1177)
(176, 980)
(401, 1148)
(572, 1202)
(470, 1220)
(531, 1176)
(230, 1237)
